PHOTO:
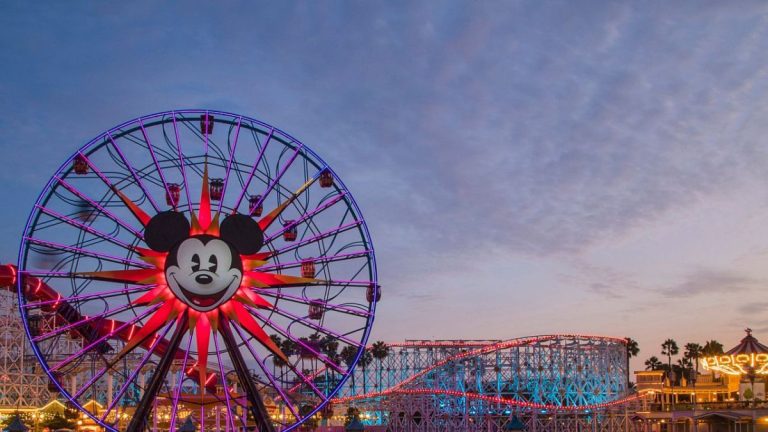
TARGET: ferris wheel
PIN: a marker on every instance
(197, 266)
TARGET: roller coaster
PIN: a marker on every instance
(549, 382)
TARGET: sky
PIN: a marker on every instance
(525, 167)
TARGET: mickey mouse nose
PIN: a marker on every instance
(203, 279)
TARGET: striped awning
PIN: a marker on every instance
(748, 345)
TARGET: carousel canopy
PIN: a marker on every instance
(748, 345)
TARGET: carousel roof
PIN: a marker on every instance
(748, 345)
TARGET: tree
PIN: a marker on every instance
(653, 363)
(277, 361)
(632, 350)
(365, 359)
(348, 355)
(669, 348)
(380, 351)
(352, 414)
(711, 348)
(692, 352)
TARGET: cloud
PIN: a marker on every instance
(708, 282)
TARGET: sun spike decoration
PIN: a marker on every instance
(160, 243)
(207, 294)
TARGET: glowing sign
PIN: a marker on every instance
(737, 364)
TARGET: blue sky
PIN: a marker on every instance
(524, 167)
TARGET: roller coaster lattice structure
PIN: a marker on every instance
(467, 380)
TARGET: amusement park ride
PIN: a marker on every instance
(195, 264)
(204, 269)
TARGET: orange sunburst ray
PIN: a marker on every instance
(157, 295)
(140, 276)
(164, 315)
(140, 214)
(252, 299)
(237, 313)
(270, 217)
(203, 331)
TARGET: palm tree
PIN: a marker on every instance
(632, 350)
(653, 363)
(277, 361)
(669, 348)
(348, 355)
(712, 347)
(693, 351)
(365, 359)
(380, 351)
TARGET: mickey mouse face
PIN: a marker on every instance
(207, 271)
(203, 271)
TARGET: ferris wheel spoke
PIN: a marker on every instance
(253, 169)
(303, 218)
(137, 212)
(307, 301)
(85, 320)
(315, 238)
(81, 226)
(267, 220)
(86, 252)
(181, 162)
(155, 161)
(99, 207)
(132, 377)
(136, 178)
(318, 260)
(100, 340)
(268, 374)
(223, 380)
(296, 340)
(141, 414)
(177, 390)
(258, 410)
(229, 165)
(306, 323)
(279, 175)
(97, 295)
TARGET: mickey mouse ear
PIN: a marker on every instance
(166, 229)
(243, 233)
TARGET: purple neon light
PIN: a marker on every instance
(229, 164)
(99, 207)
(87, 252)
(325, 259)
(253, 170)
(223, 379)
(307, 323)
(287, 334)
(177, 393)
(305, 217)
(315, 238)
(100, 340)
(101, 294)
(83, 227)
(136, 371)
(59, 330)
(270, 377)
(154, 159)
(303, 300)
(278, 176)
(181, 162)
(133, 173)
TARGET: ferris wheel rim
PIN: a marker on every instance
(96, 143)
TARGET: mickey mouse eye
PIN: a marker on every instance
(195, 263)
(214, 262)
